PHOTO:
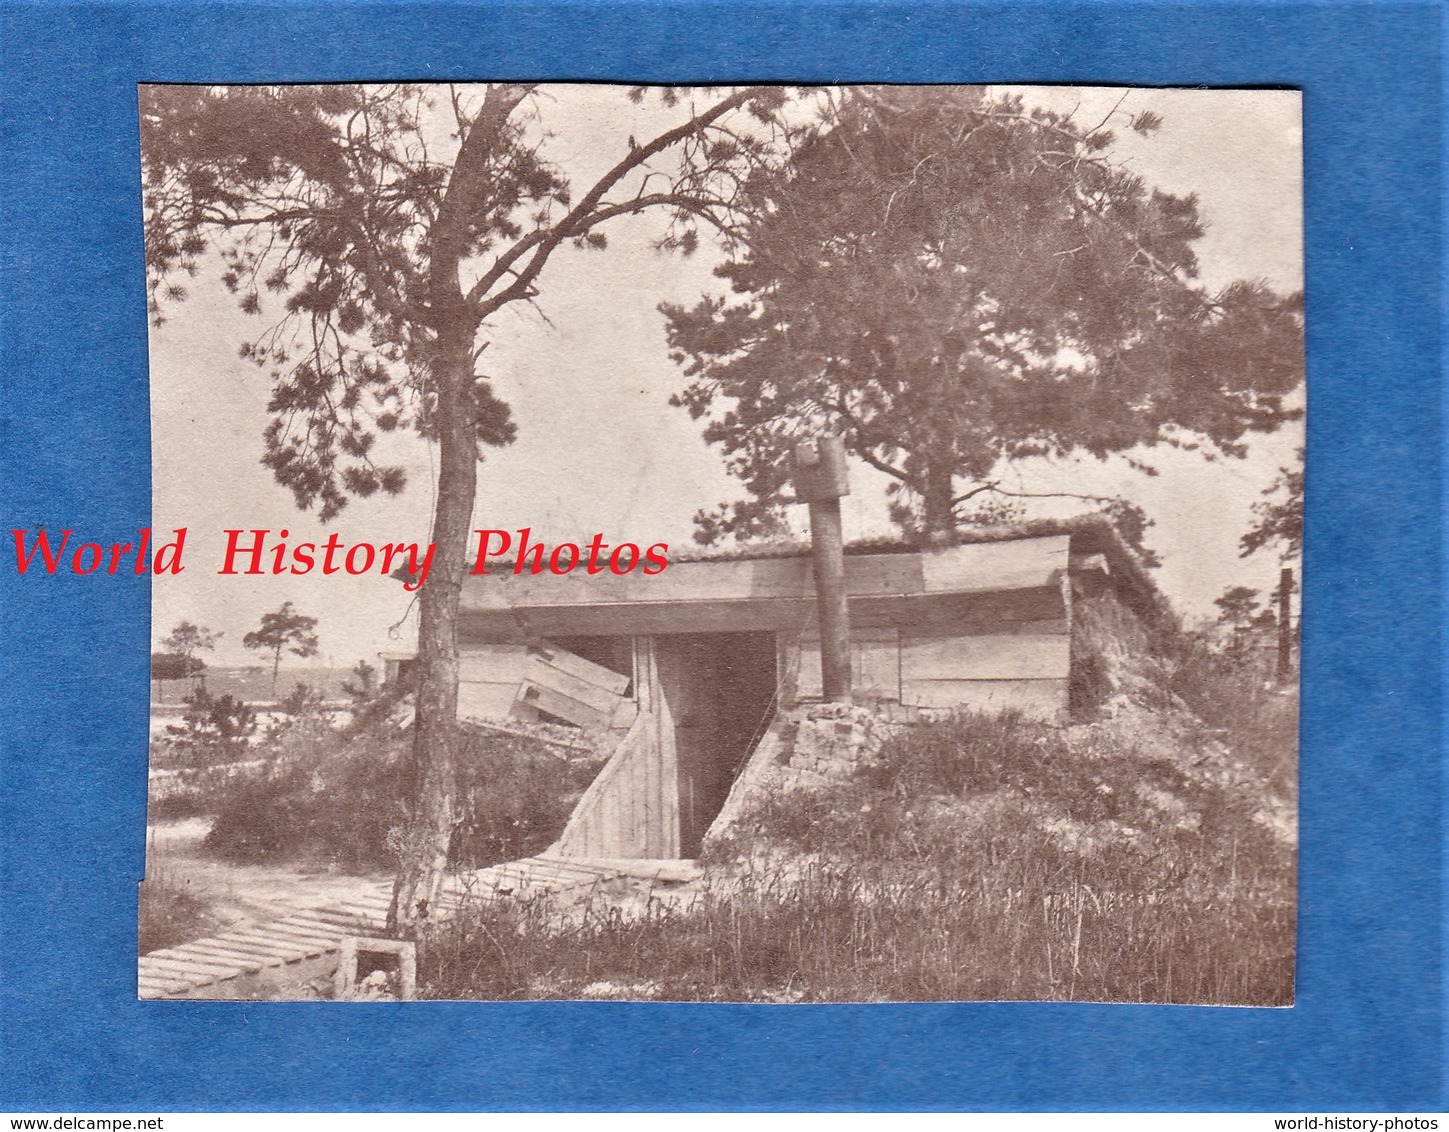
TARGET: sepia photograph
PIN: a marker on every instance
(769, 544)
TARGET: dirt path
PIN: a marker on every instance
(237, 894)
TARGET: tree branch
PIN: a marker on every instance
(539, 245)
(863, 449)
(372, 270)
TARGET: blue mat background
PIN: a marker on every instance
(1366, 1033)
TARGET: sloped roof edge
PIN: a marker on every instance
(1090, 534)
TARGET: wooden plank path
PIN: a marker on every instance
(249, 949)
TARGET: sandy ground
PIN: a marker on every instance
(242, 893)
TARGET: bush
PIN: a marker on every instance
(327, 801)
(1255, 718)
(516, 796)
(969, 752)
(333, 797)
(1227, 690)
(215, 729)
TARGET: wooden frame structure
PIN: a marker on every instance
(984, 625)
(680, 674)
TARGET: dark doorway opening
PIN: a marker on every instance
(720, 688)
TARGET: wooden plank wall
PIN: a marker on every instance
(632, 808)
(875, 664)
(496, 681)
(1022, 666)
(986, 579)
(488, 680)
(1035, 699)
(574, 689)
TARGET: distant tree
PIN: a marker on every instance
(1241, 616)
(171, 666)
(1238, 607)
(364, 686)
(188, 639)
(1280, 516)
(286, 629)
(177, 658)
(167, 666)
(953, 282)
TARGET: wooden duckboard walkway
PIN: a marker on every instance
(189, 970)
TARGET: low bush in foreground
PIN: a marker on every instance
(332, 798)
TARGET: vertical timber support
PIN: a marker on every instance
(820, 481)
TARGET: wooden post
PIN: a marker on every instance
(1285, 626)
(820, 481)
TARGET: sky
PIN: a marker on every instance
(588, 377)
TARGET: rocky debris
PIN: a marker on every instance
(835, 739)
(379, 986)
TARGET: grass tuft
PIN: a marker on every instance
(170, 914)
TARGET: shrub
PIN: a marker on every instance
(302, 701)
(1225, 688)
(214, 729)
(326, 801)
(333, 797)
(1255, 718)
(968, 752)
(373, 701)
(516, 796)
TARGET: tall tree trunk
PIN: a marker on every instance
(938, 517)
(429, 830)
(424, 852)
